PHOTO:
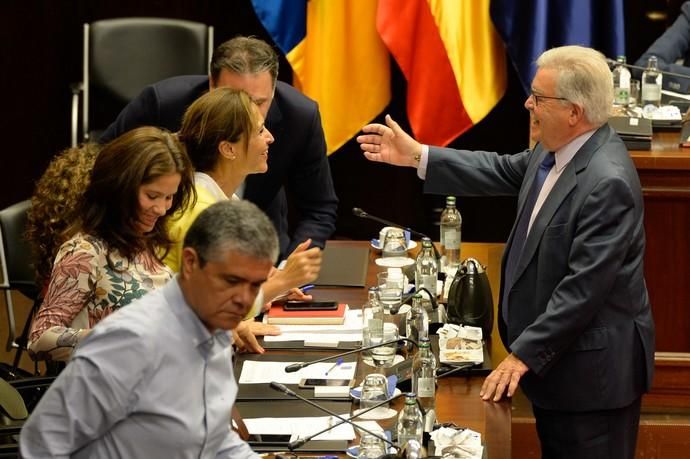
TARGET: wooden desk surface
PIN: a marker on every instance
(666, 153)
(457, 399)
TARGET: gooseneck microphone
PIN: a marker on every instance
(301, 441)
(298, 366)
(357, 212)
(613, 63)
(455, 369)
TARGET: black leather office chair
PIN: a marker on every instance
(122, 56)
(17, 271)
(17, 400)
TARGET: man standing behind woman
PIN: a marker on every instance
(226, 140)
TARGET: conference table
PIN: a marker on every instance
(457, 398)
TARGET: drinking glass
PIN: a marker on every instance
(371, 447)
(634, 98)
(390, 289)
(383, 356)
(394, 243)
(374, 390)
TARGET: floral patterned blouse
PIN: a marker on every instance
(84, 288)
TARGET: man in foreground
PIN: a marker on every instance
(155, 379)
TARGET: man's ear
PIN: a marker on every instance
(190, 261)
(577, 113)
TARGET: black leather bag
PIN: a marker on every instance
(469, 300)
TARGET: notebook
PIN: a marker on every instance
(279, 316)
(343, 266)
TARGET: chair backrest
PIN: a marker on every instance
(12, 406)
(16, 264)
(15, 252)
(122, 56)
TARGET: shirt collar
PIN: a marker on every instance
(206, 182)
(567, 152)
(190, 322)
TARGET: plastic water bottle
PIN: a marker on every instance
(410, 424)
(426, 269)
(621, 83)
(451, 227)
(424, 382)
(651, 84)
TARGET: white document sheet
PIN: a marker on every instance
(255, 372)
(351, 330)
(301, 427)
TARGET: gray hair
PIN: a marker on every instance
(584, 79)
(245, 56)
(232, 225)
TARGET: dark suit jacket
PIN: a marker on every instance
(579, 315)
(672, 46)
(297, 159)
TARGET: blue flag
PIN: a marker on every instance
(530, 27)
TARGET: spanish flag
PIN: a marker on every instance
(337, 57)
(452, 58)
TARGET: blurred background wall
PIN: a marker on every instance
(41, 55)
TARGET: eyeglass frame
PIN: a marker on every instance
(536, 97)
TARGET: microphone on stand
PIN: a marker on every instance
(298, 366)
(357, 212)
(613, 63)
(454, 370)
(301, 441)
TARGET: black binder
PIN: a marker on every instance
(636, 133)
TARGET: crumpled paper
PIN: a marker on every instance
(454, 443)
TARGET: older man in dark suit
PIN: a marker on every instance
(574, 309)
(297, 159)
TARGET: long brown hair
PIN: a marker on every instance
(111, 201)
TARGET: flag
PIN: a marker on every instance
(530, 27)
(452, 58)
(337, 57)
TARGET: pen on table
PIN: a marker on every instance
(335, 365)
(284, 295)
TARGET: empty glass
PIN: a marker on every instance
(374, 390)
(371, 447)
(634, 99)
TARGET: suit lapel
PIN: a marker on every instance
(561, 189)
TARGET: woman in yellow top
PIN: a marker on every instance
(226, 140)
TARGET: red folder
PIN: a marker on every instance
(279, 316)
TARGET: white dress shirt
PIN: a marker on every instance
(149, 381)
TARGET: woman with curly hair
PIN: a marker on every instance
(54, 203)
(118, 240)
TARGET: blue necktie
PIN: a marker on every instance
(521, 229)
